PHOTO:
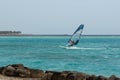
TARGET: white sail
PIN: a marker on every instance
(74, 40)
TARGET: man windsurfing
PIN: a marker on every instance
(74, 40)
(72, 43)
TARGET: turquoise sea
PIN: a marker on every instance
(98, 55)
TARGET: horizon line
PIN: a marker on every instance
(58, 35)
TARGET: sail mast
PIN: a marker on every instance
(81, 31)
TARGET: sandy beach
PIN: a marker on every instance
(16, 78)
(9, 78)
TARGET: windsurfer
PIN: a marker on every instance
(75, 37)
(71, 43)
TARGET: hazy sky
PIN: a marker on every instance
(60, 16)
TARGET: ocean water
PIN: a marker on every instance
(99, 55)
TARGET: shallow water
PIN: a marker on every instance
(98, 55)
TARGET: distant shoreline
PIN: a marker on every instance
(49, 35)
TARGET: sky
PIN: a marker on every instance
(100, 17)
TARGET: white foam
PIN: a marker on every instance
(82, 48)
